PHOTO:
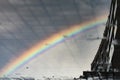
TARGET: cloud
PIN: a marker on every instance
(26, 22)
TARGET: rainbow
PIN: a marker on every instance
(53, 40)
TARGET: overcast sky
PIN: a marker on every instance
(23, 23)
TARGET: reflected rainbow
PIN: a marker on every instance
(53, 40)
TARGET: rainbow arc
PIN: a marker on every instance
(53, 40)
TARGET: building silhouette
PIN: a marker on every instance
(106, 64)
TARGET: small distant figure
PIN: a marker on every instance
(27, 67)
(75, 78)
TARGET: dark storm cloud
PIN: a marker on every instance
(25, 22)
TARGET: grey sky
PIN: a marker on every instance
(26, 22)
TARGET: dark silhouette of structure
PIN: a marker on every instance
(106, 64)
